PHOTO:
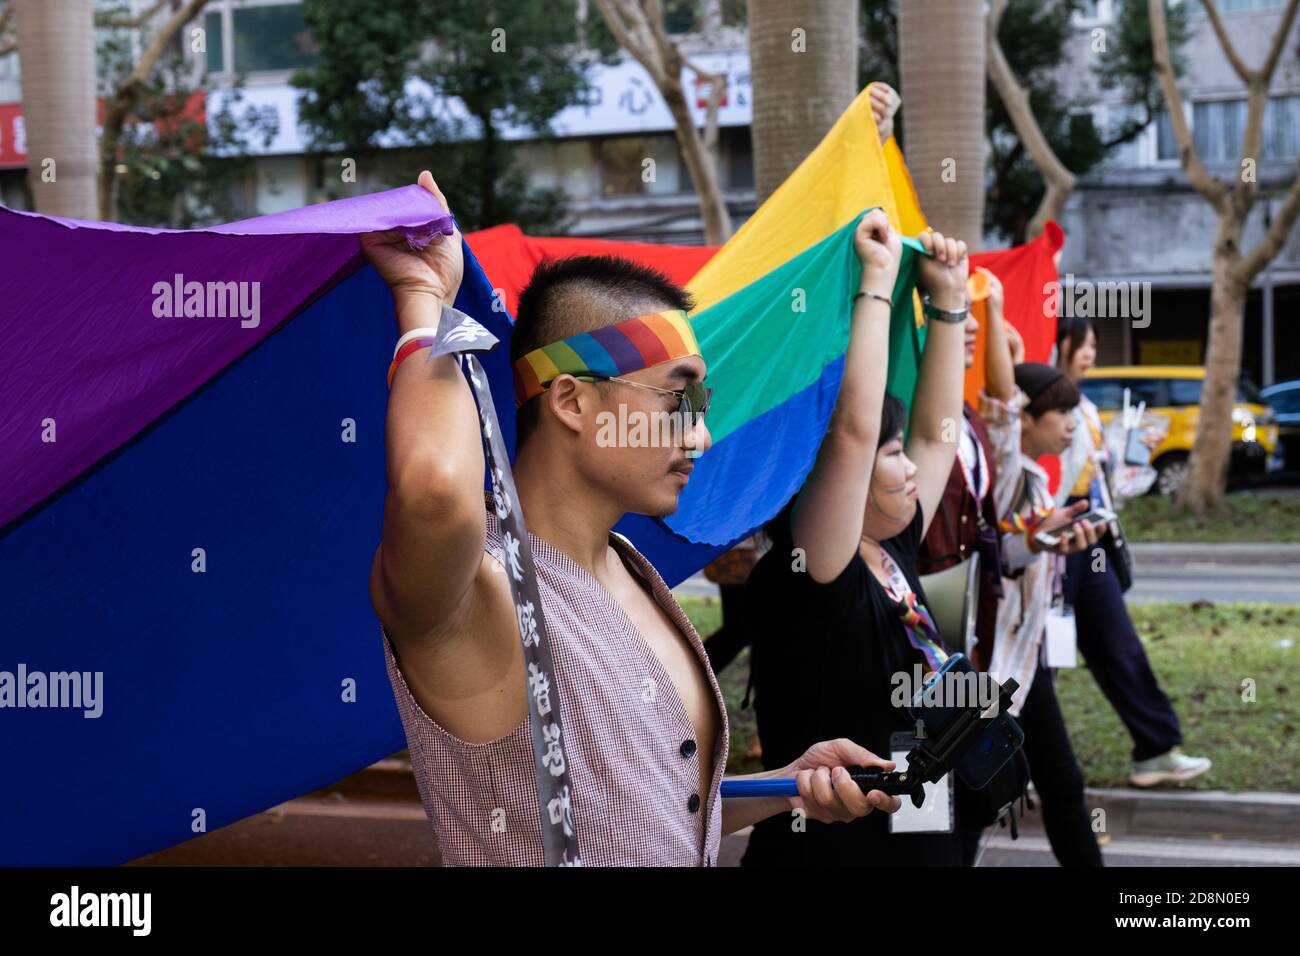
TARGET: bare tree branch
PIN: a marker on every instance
(7, 46)
(1257, 100)
(1210, 187)
(158, 45)
(1130, 130)
(1246, 189)
(1268, 247)
(633, 37)
(638, 27)
(1056, 177)
(717, 89)
(1225, 41)
(106, 19)
(119, 106)
(1270, 62)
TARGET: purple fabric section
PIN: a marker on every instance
(92, 357)
(409, 208)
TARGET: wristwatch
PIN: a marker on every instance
(931, 311)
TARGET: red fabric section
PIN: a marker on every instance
(508, 257)
(1024, 271)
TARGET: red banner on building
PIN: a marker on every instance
(13, 137)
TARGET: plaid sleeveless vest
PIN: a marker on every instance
(633, 758)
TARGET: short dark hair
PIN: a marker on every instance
(893, 419)
(1060, 396)
(569, 296)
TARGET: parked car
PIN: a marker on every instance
(1285, 399)
(1175, 392)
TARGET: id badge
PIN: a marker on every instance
(935, 814)
(1060, 638)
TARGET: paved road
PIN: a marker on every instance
(1032, 849)
(1202, 580)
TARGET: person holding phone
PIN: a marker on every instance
(1036, 537)
(1106, 634)
(836, 608)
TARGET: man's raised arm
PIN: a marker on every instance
(432, 544)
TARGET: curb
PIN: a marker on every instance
(1198, 814)
(387, 779)
(1177, 552)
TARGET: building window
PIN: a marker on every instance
(215, 42)
(740, 158)
(272, 38)
(1094, 11)
(1166, 145)
(620, 165)
(679, 16)
(1195, 9)
(625, 170)
(1220, 125)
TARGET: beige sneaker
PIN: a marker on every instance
(1172, 767)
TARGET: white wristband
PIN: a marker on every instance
(414, 334)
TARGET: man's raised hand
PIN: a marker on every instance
(434, 271)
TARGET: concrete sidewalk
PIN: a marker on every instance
(374, 817)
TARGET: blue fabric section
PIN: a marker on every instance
(223, 691)
(745, 479)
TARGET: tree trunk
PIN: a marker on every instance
(700, 163)
(802, 82)
(109, 138)
(56, 41)
(942, 66)
(1207, 477)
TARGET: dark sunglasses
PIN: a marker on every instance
(692, 401)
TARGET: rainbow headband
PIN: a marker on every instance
(614, 350)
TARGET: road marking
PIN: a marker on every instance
(1213, 852)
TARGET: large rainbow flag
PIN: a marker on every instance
(192, 498)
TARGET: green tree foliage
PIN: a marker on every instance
(389, 75)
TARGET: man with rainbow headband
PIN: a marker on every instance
(643, 743)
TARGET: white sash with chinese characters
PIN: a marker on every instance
(459, 333)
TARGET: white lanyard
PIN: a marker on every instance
(898, 587)
(978, 492)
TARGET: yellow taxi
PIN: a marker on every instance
(1175, 392)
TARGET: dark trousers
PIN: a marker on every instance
(724, 644)
(1056, 776)
(1116, 658)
